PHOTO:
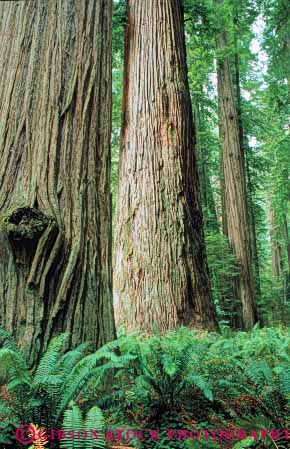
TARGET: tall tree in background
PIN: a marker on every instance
(200, 58)
(277, 44)
(243, 14)
(276, 250)
(161, 274)
(55, 83)
(245, 148)
(235, 193)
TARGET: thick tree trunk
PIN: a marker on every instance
(235, 184)
(55, 83)
(161, 274)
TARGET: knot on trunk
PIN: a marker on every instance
(25, 223)
(26, 228)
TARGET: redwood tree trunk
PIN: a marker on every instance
(233, 310)
(249, 184)
(161, 274)
(276, 250)
(235, 194)
(55, 84)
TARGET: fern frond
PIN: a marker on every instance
(72, 424)
(95, 421)
(202, 384)
(86, 370)
(247, 442)
(49, 359)
(13, 368)
(7, 341)
(111, 400)
(76, 381)
(260, 373)
(170, 367)
(68, 360)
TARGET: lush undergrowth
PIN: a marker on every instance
(183, 380)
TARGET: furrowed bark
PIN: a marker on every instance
(235, 194)
(276, 249)
(55, 84)
(233, 310)
(249, 185)
(161, 276)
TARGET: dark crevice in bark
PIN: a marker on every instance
(55, 158)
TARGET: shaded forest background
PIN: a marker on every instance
(258, 47)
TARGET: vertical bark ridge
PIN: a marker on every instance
(55, 85)
(235, 192)
(161, 274)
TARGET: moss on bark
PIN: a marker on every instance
(24, 223)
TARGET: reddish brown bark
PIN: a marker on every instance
(235, 193)
(55, 83)
(161, 276)
(276, 249)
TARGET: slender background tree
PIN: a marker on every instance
(235, 186)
